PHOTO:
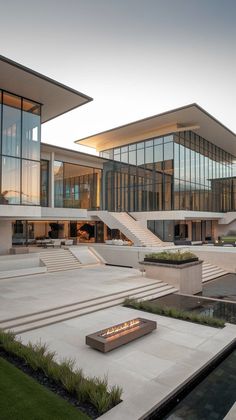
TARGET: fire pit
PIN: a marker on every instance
(120, 334)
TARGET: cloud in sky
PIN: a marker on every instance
(135, 58)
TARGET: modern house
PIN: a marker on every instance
(162, 178)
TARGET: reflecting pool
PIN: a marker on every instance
(216, 309)
(212, 398)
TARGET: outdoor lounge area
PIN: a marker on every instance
(54, 243)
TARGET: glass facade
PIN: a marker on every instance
(19, 150)
(44, 183)
(76, 186)
(181, 171)
(173, 230)
(202, 175)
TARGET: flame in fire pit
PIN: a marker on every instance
(126, 326)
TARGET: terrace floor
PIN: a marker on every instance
(28, 294)
(148, 369)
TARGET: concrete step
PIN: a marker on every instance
(162, 291)
(54, 269)
(212, 277)
(144, 291)
(56, 260)
(136, 288)
(211, 272)
(62, 260)
(59, 260)
(211, 267)
(52, 316)
(166, 292)
(82, 312)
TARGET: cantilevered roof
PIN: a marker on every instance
(190, 117)
(56, 98)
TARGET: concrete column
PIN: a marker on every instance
(51, 179)
(5, 236)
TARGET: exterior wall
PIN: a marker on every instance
(131, 256)
(5, 236)
(18, 262)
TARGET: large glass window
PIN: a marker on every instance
(11, 127)
(31, 130)
(30, 182)
(44, 182)
(20, 135)
(0, 119)
(76, 186)
(11, 191)
(58, 184)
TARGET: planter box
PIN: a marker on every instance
(171, 262)
(120, 334)
(187, 277)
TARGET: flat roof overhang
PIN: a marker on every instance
(56, 98)
(190, 117)
(68, 154)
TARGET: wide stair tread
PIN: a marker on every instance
(31, 322)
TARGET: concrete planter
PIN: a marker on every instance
(186, 277)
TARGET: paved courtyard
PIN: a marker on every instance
(23, 295)
(148, 369)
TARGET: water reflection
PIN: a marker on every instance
(222, 310)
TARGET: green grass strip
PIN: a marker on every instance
(21, 397)
(93, 390)
(174, 313)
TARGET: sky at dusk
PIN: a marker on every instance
(136, 58)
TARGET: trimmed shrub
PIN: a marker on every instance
(171, 255)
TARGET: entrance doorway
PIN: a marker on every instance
(181, 231)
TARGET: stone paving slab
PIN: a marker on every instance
(148, 369)
(22, 295)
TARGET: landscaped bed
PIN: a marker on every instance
(90, 395)
(169, 257)
(153, 307)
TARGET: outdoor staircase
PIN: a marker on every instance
(59, 259)
(35, 320)
(211, 272)
(131, 228)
